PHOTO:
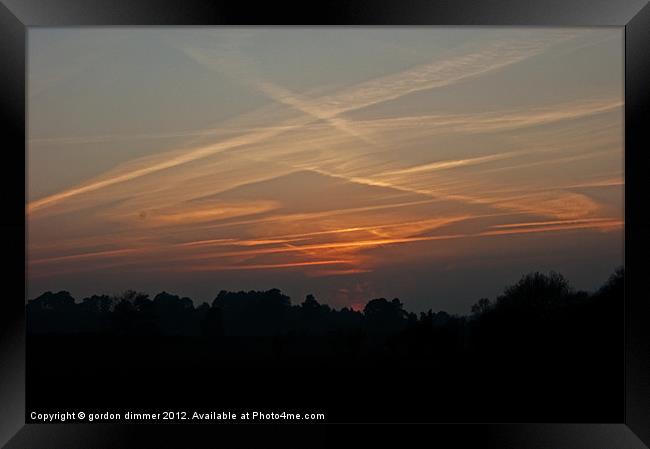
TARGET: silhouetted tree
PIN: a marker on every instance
(481, 306)
(538, 312)
(382, 316)
(175, 315)
(212, 324)
(535, 292)
(254, 312)
(125, 313)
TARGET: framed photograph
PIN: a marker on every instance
(256, 221)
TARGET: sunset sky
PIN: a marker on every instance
(436, 165)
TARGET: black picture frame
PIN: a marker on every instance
(17, 16)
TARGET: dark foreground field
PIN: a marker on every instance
(526, 357)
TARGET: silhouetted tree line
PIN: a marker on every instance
(540, 307)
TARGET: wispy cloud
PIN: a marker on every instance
(426, 76)
(498, 121)
(269, 266)
(303, 184)
(156, 164)
(444, 72)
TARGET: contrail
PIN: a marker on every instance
(427, 76)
